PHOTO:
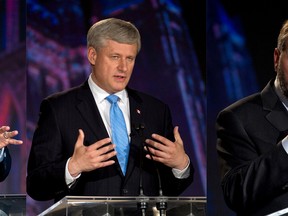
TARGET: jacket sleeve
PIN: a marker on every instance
(5, 165)
(250, 176)
(173, 186)
(46, 163)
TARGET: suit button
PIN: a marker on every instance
(124, 191)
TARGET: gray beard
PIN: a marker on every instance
(282, 82)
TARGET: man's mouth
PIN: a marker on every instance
(119, 76)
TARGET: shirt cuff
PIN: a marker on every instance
(2, 154)
(285, 144)
(70, 180)
(181, 174)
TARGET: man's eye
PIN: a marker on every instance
(115, 57)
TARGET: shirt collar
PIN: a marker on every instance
(100, 94)
(280, 94)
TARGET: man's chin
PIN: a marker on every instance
(118, 88)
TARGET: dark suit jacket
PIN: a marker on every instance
(5, 165)
(254, 166)
(62, 114)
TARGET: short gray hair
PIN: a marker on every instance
(113, 29)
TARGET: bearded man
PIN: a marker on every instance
(252, 144)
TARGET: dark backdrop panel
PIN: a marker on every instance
(13, 88)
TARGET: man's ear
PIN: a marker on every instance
(91, 55)
(276, 58)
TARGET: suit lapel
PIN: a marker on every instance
(90, 113)
(277, 114)
(136, 119)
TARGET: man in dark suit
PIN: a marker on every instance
(5, 158)
(253, 144)
(72, 152)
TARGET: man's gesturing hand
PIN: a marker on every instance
(172, 154)
(88, 158)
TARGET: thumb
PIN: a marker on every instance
(80, 139)
(177, 136)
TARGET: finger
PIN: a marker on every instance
(107, 157)
(104, 150)
(177, 136)
(99, 144)
(154, 158)
(15, 142)
(8, 135)
(80, 139)
(13, 133)
(155, 152)
(159, 138)
(4, 128)
(157, 145)
(106, 163)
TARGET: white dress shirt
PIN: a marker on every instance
(1, 154)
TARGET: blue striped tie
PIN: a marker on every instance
(119, 132)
